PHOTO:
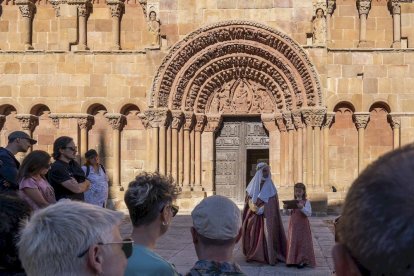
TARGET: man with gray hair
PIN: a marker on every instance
(375, 232)
(216, 230)
(74, 238)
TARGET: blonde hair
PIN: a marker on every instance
(53, 238)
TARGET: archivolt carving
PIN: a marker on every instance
(203, 46)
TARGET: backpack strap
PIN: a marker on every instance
(88, 170)
(103, 168)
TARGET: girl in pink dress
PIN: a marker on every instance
(33, 185)
(300, 246)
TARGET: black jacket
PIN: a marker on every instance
(8, 171)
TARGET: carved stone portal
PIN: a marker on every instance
(241, 97)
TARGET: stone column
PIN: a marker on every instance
(297, 120)
(146, 124)
(330, 7)
(188, 126)
(395, 8)
(169, 148)
(287, 116)
(364, 7)
(181, 155)
(361, 120)
(163, 120)
(309, 147)
(28, 123)
(283, 149)
(84, 124)
(330, 116)
(176, 123)
(84, 10)
(319, 117)
(157, 118)
(208, 153)
(27, 10)
(117, 8)
(269, 123)
(199, 126)
(395, 121)
(117, 122)
(192, 157)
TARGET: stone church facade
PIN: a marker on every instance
(203, 90)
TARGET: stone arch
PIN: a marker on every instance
(380, 104)
(96, 108)
(9, 102)
(7, 109)
(344, 105)
(210, 58)
(39, 109)
(120, 106)
(87, 105)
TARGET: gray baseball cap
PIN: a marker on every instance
(217, 217)
(21, 135)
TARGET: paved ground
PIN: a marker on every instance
(176, 246)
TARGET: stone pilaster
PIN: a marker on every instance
(188, 127)
(269, 122)
(177, 154)
(284, 144)
(361, 120)
(117, 8)
(290, 127)
(363, 6)
(27, 10)
(84, 10)
(395, 121)
(199, 127)
(395, 8)
(330, 8)
(84, 124)
(297, 121)
(330, 116)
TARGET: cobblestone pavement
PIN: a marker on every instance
(176, 246)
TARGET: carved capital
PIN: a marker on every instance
(56, 6)
(287, 116)
(117, 7)
(280, 122)
(394, 120)
(85, 9)
(143, 4)
(28, 121)
(361, 119)
(189, 121)
(2, 121)
(116, 120)
(363, 6)
(213, 123)
(330, 117)
(330, 6)
(85, 122)
(200, 122)
(269, 121)
(297, 119)
(157, 117)
(394, 6)
(27, 8)
(177, 119)
(143, 119)
(314, 116)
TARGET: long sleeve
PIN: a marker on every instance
(307, 209)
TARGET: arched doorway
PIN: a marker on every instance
(228, 70)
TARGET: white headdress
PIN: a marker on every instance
(253, 189)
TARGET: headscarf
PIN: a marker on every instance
(253, 189)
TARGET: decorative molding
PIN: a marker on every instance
(200, 122)
(116, 120)
(56, 117)
(117, 7)
(280, 122)
(363, 6)
(297, 119)
(27, 8)
(84, 9)
(269, 121)
(361, 119)
(189, 121)
(213, 123)
(394, 6)
(314, 117)
(86, 121)
(394, 120)
(28, 121)
(157, 117)
(177, 119)
(287, 117)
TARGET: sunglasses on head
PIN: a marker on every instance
(126, 247)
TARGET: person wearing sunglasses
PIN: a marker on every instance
(66, 175)
(74, 238)
(375, 232)
(149, 200)
(33, 185)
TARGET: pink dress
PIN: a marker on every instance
(44, 187)
(300, 245)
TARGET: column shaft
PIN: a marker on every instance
(325, 156)
(397, 27)
(299, 153)
(174, 155)
(155, 149)
(290, 158)
(169, 152)
(283, 158)
(328, 27)
(82, 33)
(192, 157)
(162, 152)
(84, 142)
(181, 156)
(360, 149)
(117, 157)
(363, 27)
(187, 156)
(309, 156)
(115, 33)
(197, 153)
(317, 145)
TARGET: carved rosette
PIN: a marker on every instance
(287, 116)
(27, 8)
(116, 120)
(280, 122)
(394, 120)
(330, 117)
(330, 6)
(314, 117)
(200, 122)
(269, 122)
(297, 119)
(361, 119)
(117, 7)
(85, 122)
(363, 6)
(157, 117)
(28, 121)
(394, 6)
(2, 121)
(213, 123)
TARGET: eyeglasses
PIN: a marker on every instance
(74, 149)
(126, 247)
(174, 209)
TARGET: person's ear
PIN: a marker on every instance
(165, 215)
(239, 236)
(343, 262)
(194, 235)
(95, 259)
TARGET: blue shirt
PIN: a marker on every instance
(146, 262)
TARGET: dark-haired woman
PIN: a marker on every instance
(32, 182)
